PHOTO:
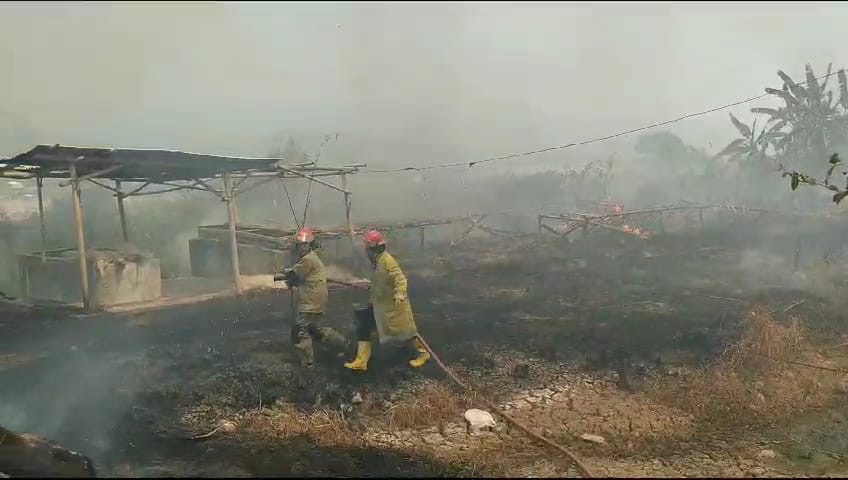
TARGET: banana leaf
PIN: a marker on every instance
(773, 112)
(813, 88)
(778, 126)
(827, 76)
(735, 147)
(796, 89)
(753, 143)
(743, 129)
(843, 88)
(786, 96)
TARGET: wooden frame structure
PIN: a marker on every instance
(171, 171)
(587, 221)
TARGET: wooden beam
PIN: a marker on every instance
(101, 185)
(121, 213)
(78, 220)
(313, 178)
(348, 205)
(39, 184)
(133, 192)
(231, 217)
(256, 184)
(209, 188)
(96, 174)
(156, 192)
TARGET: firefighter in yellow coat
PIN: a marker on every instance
(392, 312)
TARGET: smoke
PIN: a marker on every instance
(338, 272)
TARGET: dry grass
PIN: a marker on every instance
(433, 404)
(745, 387)
(324, 426)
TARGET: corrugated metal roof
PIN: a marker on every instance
(135, 163)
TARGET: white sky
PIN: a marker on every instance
(405, 83)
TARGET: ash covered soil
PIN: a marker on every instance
(572, 339)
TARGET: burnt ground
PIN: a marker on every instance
(588, 322)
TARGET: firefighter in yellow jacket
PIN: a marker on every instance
(308, 278)
(392, 313)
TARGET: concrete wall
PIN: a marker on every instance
(211, 258)
(113, 280)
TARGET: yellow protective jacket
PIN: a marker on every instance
(394, 321)
(310, 295)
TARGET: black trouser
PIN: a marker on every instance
(365, 324)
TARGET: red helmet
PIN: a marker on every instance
(373, 238)
(304, 235)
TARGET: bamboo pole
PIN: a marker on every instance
(347, 208)
(121, 212)
(78, 220)
(231, 219)
(39, 183)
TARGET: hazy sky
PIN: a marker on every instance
(405, 83)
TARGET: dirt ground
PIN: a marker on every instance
(660, 347)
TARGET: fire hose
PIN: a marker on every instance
(535, 436)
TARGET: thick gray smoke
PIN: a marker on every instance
(405, 85)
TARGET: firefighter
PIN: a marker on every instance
(392, 313)
(308, 280)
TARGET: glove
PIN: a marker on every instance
(400, 298)
(288, 276)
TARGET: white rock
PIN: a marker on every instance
(227, 427)
(433, 439)
(769, 454)
(593, 438)
(756, 471)
(843, 385)
(479, 419)
(357, 399)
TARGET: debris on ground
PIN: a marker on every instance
(478, 420)
(593, 438)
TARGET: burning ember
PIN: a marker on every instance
(610, 207)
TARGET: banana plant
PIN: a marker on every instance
(749, 145)
(810, 119)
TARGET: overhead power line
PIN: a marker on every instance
(470, 164)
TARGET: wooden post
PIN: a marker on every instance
(235, 209)
(121, 212)
(421, 238)
(231, 218)
(23, 271)
(39, 183)
(78, 220)
(360, 265)
(347, 208)
(701, 216)
(539, 220)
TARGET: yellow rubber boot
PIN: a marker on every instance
(363, 354)
(423, 355)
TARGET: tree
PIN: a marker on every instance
(665, 149)
(749, 145)
(810, 122)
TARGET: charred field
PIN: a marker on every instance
(658, 346)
